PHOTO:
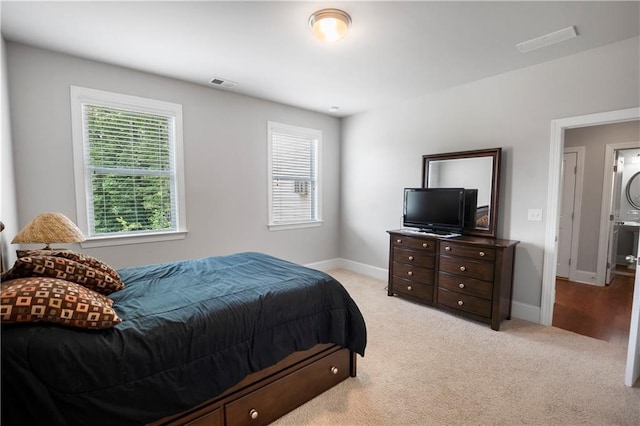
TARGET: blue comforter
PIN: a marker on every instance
(190, 330)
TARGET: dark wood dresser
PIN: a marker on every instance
(470, 276)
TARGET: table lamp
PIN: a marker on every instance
(47, 228)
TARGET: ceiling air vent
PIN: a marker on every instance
(547, 40)
(223, 83)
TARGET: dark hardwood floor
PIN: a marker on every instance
(600, 312)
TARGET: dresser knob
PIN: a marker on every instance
(460, 302)
(398, 241)
(253, 413)
(409, 288)
(462, 268)
(425, 245)
(481, 254)
(334, 370)
(410, 257)
(461, 285)
(410, 273)
(447, 248)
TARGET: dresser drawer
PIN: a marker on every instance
(426, 244)
(448, 248)
(464, 303)
(467, 267)
(278, 398)
(413, 273)
(213, 418)
(465, 285)
(414, 257)
(412, 288)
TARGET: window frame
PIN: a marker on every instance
(83, 95)
(303, 132)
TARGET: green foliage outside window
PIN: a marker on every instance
(131, 170)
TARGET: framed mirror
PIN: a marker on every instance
(476, 171)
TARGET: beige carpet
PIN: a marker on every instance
(426, 367)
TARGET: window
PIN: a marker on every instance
(128, 167)
(294, 176)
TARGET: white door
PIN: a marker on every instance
(633, 352)
(565, 227)
(614, 216)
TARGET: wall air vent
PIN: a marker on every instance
(222, 82)
(547, 40)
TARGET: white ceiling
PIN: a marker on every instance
(394, 50)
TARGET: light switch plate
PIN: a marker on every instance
(534, 215)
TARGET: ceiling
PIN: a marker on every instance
(393, 51)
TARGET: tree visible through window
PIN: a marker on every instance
(129, 165)
(126, 158)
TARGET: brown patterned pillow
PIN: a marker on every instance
(85, 259)
(65, 269)
(54, 300)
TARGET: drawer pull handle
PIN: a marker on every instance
(462, 268)
(460, 302)
(410, 257)
(410, 273)
(409, 288)
(447, 248)
(398, 241)
(481, 254)
(425, 245)
(461, 285)
(334, 370)
(253, 414)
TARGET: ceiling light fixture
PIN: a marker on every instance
(330, 25)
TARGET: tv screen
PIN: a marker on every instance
(434, 209)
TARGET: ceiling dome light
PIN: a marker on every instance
(330, 25)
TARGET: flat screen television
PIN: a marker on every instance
(436, 210)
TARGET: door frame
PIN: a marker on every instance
(558, 128)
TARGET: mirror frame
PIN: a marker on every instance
(496, 155)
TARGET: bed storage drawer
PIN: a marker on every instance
(279, 397)
(213, 418)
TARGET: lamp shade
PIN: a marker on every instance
(47, 228)
(330, 25)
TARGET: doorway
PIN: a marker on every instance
(558, 128)
(599, 312)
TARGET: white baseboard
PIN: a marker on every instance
(585, 277)
(360, 268)
(525, 312)
(519, 310)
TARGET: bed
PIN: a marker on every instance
(239, 339)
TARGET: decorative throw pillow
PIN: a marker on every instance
(65, 269)
(54, 300)
(85, 259)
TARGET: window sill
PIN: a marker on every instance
(286, 226)
(119, 240)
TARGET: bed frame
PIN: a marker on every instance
(267, 395)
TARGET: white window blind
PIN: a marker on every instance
(127, 170)
(294, 175)
(129, 161)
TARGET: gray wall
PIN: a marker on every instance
(594, 139)
(225, 148)
(382, 149)
(8, 212)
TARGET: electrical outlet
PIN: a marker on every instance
(534, 215)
